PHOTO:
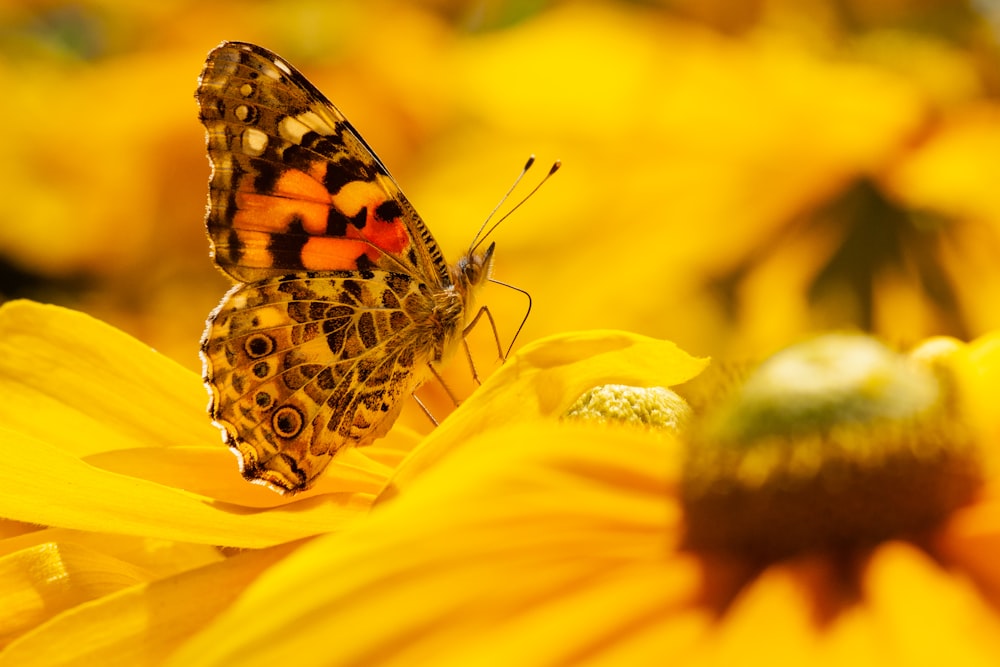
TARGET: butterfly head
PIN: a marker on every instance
(473, 270)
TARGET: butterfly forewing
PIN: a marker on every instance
(293, 187)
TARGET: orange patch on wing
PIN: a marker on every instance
(296, 196)
(253, 249)
(327, 254)
(391, 236)
(299, 185)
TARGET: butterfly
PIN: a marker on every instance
(343, 300)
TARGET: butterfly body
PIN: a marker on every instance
(342, 296)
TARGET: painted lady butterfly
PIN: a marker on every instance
(343, 299)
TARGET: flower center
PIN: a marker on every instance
(838, 443)
(652, 407)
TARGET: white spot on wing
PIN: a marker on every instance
(292, 129)
(283, 66)
(270, 72)
(254, 141)
(316, 123)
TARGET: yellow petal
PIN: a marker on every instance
(772, 615)
(159, 558)
(41, 581)
(950, 170)
(978, 368)
(542, 543)
(48, 486)
(142, 624)
(543, 380)
(799, 612)
(562, 628)
(970, 542)
(213, 471)
(78, 383)
(852, 639)
(101, 433)
(926, 615)
(10, 529)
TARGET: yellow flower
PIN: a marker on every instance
(536, 543)
(118, 493)
(514, 536)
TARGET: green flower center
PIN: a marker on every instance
(834, 443)
(652, 407)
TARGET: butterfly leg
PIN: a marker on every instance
(444, 385)
(484, 310)
(426, 410)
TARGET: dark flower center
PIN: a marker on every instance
(836, 443)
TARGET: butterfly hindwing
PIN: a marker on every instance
(287, 407)
(293, 187)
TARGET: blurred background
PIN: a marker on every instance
(735, 175)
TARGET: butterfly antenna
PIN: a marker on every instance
(476, 240)
(524, 320)
(480, 237)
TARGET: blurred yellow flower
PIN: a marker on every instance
(768, 168)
